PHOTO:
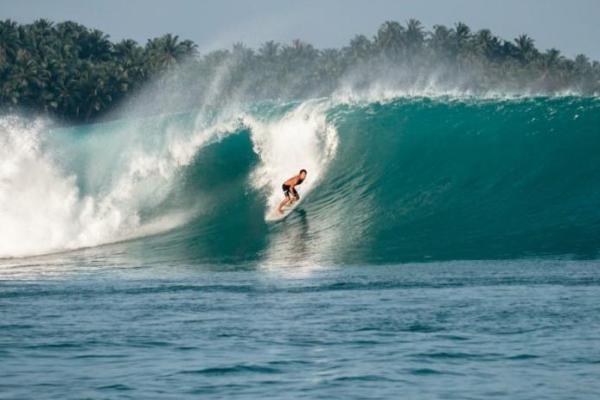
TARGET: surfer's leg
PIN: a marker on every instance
(283, 204)
(286, 193)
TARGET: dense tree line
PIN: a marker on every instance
(78, 74)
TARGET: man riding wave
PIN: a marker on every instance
(289, 190)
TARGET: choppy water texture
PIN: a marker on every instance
(518, 330)
(138, 259)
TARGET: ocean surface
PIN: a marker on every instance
(444, 248)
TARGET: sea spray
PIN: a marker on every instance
(51, 199)
(301, 139)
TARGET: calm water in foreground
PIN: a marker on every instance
(105, 328)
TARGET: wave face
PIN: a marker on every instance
(404, 180)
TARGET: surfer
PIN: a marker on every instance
(289, 190)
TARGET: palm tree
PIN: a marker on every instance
(130, 59)
(440, 41)
(166, 51)
(488, 45)
(462, 36)
(329, 66)
(242, 53)
(359, 50)
(552, 58)
(94, 45)
(9, 41)
(525, 48)
(269, 51)
(128, 51)
(583, 64)
(415, 35)
(390, 39)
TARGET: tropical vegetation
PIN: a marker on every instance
(78, 74)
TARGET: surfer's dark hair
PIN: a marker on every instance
(303, 170)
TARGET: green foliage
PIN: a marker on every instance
(74, 72)
(78, 74)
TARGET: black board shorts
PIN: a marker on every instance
(287, 190)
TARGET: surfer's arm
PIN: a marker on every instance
(294, 192)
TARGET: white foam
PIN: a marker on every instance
(42, 209)
(302, 139)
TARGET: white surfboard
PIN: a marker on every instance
(275, 215)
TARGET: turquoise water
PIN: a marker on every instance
(443, 248)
